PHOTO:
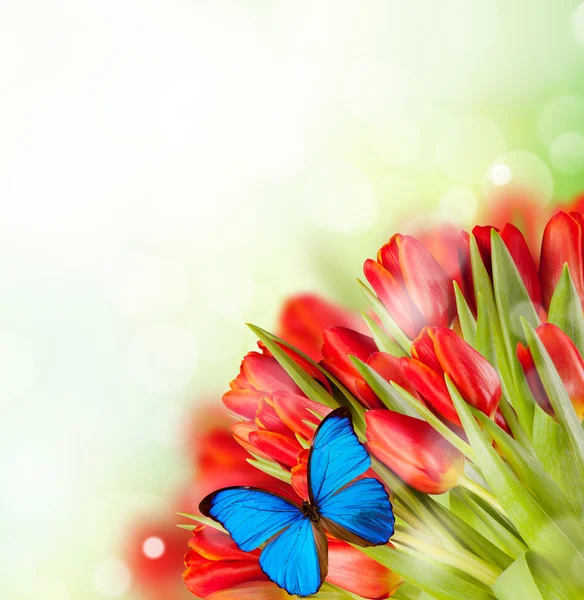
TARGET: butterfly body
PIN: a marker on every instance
(295, 553)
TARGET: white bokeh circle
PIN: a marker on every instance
(519, 171)
(566, 153)
(153, 547)
(162, 358)
(112, 578)
(560, 115)
(339, 197)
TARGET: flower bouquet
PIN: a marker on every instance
(466, 388)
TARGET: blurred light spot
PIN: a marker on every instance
(500, 174)
(168, 424)
(375, 91)
(562, 114)
(138, 284)
(17, 372)
(162, 358)
(339, 197)
(153, 547)
(459, 204)
(466, 145)
(567, 153)
(112, 578)
(528, 175)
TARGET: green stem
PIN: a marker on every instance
(481, 492)
(467, 562)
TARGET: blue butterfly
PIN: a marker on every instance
(295, 556)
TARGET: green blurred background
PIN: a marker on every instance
(169, 170)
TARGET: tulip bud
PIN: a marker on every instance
(354, 571)
(567, 361)
(414, 450)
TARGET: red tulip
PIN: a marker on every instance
(441, 242)
(259, 374)
(215, 563)
(339, 344)
(567, 361)
(413, 450)
(263, 590)
(518, 249)
(414, 288)
(562, 243)
(352, 570)
(439, 351)
(304, 318)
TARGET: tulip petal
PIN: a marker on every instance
(304, 317)
(466, 271)
(300, 475)
(267, 418)
(395, 298)
(294, 409)
(265, 374)
(243, 401)
(212, 544)
(431, 388)
(203, 577)
(241, 433)
(519, 250)
(562, 243)
(423, 350)
(388, 256)
(251, 591)
(354, 571)
(475, 378)
(429, 287)
(278, 447)
(390, 368)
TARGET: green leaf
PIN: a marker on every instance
(517, 582)
(532, 475)
(382, 389)
(559, 399)
(534, 525)
(303, 380)
(551, 447)
(386, 319)
(382, 340)
(566, 310)
(468, 323)
(488, 317)
(203, 521)
(270, 468)
(440, 580)
(513, 304)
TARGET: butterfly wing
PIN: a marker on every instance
(336, 456)
(250, 515)
(297, 558)
(361, 512)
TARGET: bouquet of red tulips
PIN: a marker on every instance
(466, 387)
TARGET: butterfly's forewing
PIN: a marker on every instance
(297, 558)
(360, 512)
(336, 456)
(250, 515)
